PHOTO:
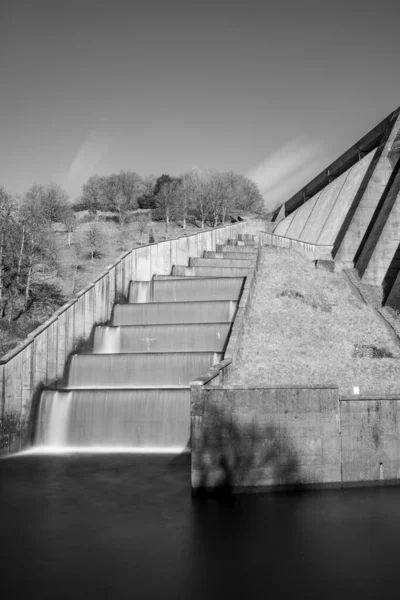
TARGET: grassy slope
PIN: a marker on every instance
(292, 341)
(60, 288)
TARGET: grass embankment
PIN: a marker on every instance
(75, 270)
(303, 327)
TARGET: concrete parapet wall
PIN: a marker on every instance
(313, 251)
(245, 438)
(42, 359)
(253, 439)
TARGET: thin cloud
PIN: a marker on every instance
(288, 169)
(91, 152)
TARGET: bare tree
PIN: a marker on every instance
(54, 202)
(6, 210)
(196, 188)
(142, 225)
(93, 240)
(92, 198)
(70, 222)
(166, 202)
(131, 186)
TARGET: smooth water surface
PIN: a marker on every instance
(125, 526)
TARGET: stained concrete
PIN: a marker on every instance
(323, 207)
(301, 217)
(368, 203)
(284, 225)
(319, 220)
(344, 200)
(383, 241)
(265, 437)
(370, 432)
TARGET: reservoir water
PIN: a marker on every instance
(82, 526)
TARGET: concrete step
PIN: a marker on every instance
(210, 271)
(190, 337)
(225, 287)
(150, 370)
(220, 262)
(237, 242)
(231, 248)
(230, 255)
(215, 311)
(246, 237)
(152, 418)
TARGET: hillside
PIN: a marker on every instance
(306, 326)
(75, 269)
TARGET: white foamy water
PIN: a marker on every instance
(143, 291)
(232, 310)
(57, 449)
(55, 422)
(107, 340)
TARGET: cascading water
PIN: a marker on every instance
(132, 392)
(53, 421)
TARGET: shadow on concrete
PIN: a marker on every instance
(241, 456)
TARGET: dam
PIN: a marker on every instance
(132, 392)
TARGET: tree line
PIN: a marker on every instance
(202, 198)
(27, 241)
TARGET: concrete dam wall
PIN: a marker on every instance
(281, 438)
(51, 356)
(354, 207)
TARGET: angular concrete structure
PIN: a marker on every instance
(354, 207)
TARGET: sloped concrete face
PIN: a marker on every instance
(319, 220)
(393, 299)
(344, 200)
(384, 239)
(357, 228)
(323, 207)
(284, 225)
(300, 219)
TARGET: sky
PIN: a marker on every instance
(272, 90)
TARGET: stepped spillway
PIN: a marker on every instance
(133, 389)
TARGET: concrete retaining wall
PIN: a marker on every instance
(42, 358)
(265, 437)
(252, 439)
(370, 440)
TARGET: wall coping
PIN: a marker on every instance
(276, 387)
(284, 237)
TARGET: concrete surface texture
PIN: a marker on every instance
(369, 200)
(383, 240)
(318, 221)
(265, 438)
(300, 219)
(284, 225)
(277, 438)
(370, 439)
